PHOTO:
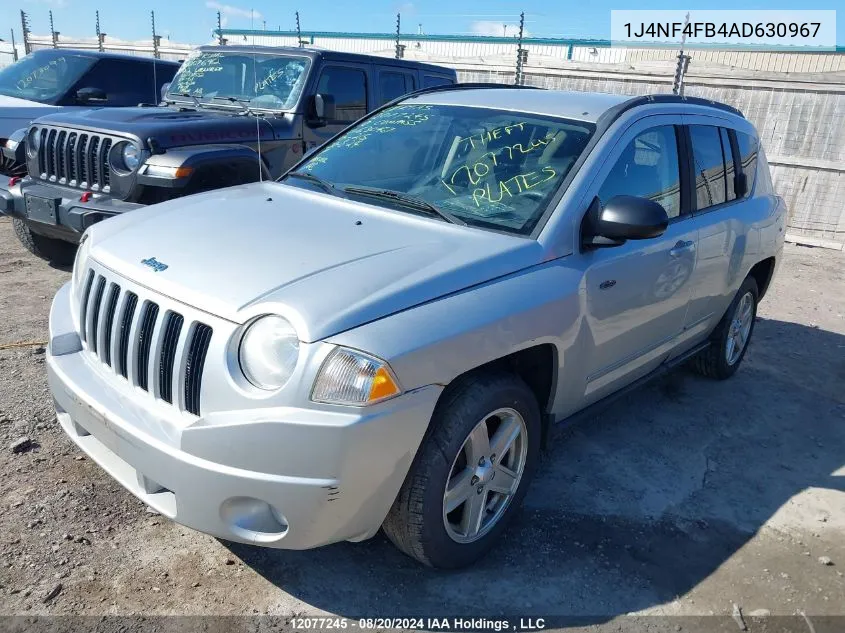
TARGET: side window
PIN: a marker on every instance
(430, 81)
(392, 85)
(709, 166)
(126, 83)
(730, 171)
(648, 168)
(348, 86)
(748, 148)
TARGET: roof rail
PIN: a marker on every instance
(671, 98)
(465, 86)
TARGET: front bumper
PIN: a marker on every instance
(337, 470)
(72, 216)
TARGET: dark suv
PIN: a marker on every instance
(56, 80)
(232, 115)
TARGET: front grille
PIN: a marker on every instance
(75, 159)
(147, 344)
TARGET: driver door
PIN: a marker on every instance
(637, 294)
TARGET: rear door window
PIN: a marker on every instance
(393, 84)
(125, 82)
(348, 86)
(709, 165)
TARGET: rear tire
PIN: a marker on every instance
(452, 469)
(54, 251)
(731, 338)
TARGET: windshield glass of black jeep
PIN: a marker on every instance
(44, 76)
(272, 82)
(490, 168)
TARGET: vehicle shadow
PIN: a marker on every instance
(629, 509)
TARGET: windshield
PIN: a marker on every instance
(44, 76)
(272, 82)
(490, 168)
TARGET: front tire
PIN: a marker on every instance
(54, 251)
(471, 472)
(731, 338)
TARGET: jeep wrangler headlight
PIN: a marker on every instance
(268, 352)
(354, 378)
(131, 156)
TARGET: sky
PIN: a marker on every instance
(192, 21)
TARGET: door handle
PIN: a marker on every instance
(682, 247)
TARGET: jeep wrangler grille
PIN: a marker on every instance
(75, 159)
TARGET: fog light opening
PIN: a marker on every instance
(253, 519)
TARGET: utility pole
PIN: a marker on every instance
(298, 32)
(14, 46)
(220, 41)
(521, 53)
(400, 50)
(156, 38)
(100, 35)
(683, 65)
(53, 35)
(27, 47)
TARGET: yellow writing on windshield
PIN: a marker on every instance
(481, 139)
(39, 72)
(512, 186)
(476, 171)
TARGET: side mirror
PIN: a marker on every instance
(324, 107)
(90, 95)
(741, 185)
(623, 218)
(164, 88)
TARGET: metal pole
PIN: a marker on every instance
(156, 38)
(14, 46)
(27, 47)
(398, 25)
(682, 66)
(298, 31)
(100, 34)
(219, 29)
(53, 35)
(518, 78)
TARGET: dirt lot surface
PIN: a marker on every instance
(685, 498)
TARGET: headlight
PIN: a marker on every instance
(131, 156)
(33, 141)
(354, 378)
(268, 352)
(11, 144)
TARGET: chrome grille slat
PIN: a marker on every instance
(82, 159)
(51, 154)
(103, 163)
(145, 340)
(70, 156)
(197, 351)
(107, 325)
(93, 155)
(94, 316)
(60, 149)
(42, 151)
(167, 355)
(154, 347)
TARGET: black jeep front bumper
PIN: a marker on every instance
(57, 212)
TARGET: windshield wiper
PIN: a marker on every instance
(324, 184)
(186, 94)
(407, 200)
(247, 108)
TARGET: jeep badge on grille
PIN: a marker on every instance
(153, 263)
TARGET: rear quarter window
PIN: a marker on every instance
(749, 147)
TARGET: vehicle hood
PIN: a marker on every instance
(172, 127)
(325, 263)
(16, 114)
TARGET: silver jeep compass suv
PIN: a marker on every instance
(382, 338)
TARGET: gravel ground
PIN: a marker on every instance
(685, 498)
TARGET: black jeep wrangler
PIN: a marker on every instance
(231, 115)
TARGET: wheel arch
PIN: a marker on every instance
(762, 273)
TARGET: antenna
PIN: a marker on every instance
(155, 58)
(521, 53)
(398, 24)
(100, 35)
(683, 64)
(254, 88)
(54, 36)
(27, 48)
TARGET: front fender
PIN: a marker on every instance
(160, 170)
